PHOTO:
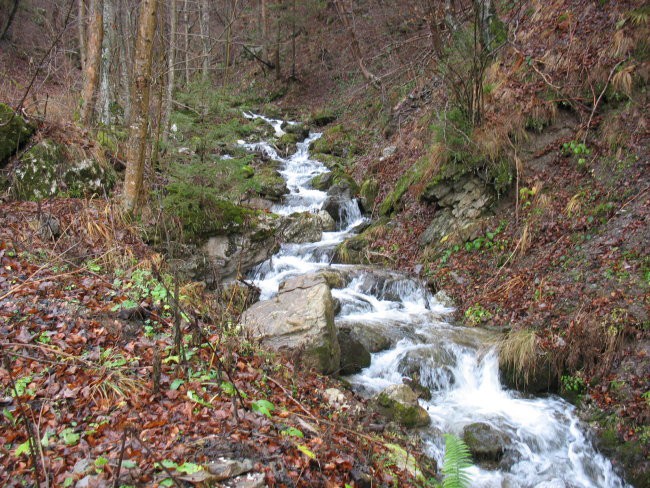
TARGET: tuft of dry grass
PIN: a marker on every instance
(518, 351)
(622, 81)
(574, 206)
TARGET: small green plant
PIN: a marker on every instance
(477, 314)
(573, 383)
(576, 149)
(263, 406)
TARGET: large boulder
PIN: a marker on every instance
(337, 197)
(14, 133)
(36, 176)
(400, 403)
(302, 227)
(299, 320)
(328, 224)
(486, 443)
(46, 169)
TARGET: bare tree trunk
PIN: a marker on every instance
(105, 92)
(186, 40)
(10, 19)
(433, 20)
(81, 15)
(140, 88)
(93, 60)
(345, 15)
(204, 25)
(276, 53)
(171, 67)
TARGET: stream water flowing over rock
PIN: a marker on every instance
(517, 440)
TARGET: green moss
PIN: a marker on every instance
(87, 177)
(407, 415)
(14, 134)
(201, 212)
(337, 141)
(287, 142)
(332, 162)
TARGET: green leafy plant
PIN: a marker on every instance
(477, 314)
(573, 383)
(576, 149)
(263, 406)
(457, 461)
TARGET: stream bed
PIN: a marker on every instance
(541, 439)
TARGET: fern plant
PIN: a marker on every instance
(457, 460)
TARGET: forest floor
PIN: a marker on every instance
(87, 322)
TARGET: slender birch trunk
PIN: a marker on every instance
(171, 67)
(204, 25)
(105, 91)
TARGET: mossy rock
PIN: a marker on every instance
(88, 177)
(330, 161)
(322, 181)
(270, 183)
(287, 143)
(400, 403)
(202, 213)
(301, 131)
(35, 177)
(337, 141)
(368, 194)
(13, 135)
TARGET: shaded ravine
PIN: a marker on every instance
(542, 442)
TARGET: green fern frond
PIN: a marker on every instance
(457, 460)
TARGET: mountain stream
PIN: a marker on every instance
(545, 444)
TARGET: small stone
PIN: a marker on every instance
(223, 468)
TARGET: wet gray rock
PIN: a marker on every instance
(354, 355)
(299, 320)
(328, 224)
(373, 337)
(486, 443)
(337, 196)
(323, 181)
(302, 227)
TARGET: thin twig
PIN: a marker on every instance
(116, 482)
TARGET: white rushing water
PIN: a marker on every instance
(546, 447)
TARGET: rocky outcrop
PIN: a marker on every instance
(400, 403)
(486, 443)
(328, 224)
(460, 200)
(14, 133)
(299, 320)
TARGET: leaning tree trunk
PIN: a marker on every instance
(140, 87)
(93, 60)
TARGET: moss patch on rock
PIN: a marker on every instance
(400, 403)
(36, 175)
(14, 133)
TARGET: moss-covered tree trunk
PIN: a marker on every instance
(139, 119)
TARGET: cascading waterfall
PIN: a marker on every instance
(546, 446)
